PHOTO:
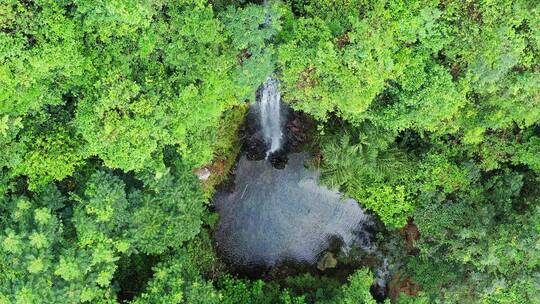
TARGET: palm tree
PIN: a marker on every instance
(349, 164)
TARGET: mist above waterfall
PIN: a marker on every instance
(270, 115)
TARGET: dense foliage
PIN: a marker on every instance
(428, 112)
(439, 106)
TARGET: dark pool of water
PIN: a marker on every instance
(272, 216)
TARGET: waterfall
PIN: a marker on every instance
(270, 105)
(270, 115)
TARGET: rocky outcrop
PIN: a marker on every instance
(327, 261)
(202, 173)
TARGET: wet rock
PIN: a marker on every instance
(278, 160)
(255, 149)
(298, 130)
(327, 261)
(253, 141)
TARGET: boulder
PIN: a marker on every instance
(327, 261)
(202, 173)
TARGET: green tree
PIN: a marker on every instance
(356, 290)
(168, 212)
(178, 280)
(39, 266)
(371, 171)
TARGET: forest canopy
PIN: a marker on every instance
(427, 113)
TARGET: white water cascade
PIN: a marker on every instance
(270, 115)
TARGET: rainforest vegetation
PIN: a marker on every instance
(427, 112)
